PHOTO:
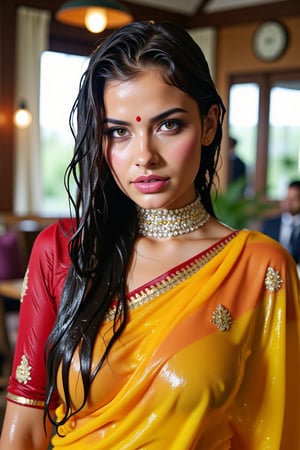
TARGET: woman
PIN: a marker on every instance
(163, 328)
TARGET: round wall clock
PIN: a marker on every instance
(270, 40)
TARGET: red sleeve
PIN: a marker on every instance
(42, 287)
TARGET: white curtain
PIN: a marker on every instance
(206, 38)
(31, 40)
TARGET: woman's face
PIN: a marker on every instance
(152, 140)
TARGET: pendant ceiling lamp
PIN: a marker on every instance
(95, 15)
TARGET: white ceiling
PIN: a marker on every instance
(190, 7)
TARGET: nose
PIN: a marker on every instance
(146, 153)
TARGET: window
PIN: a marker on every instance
(243, 124)
(60, 77)
(264, 117)
(284, 137)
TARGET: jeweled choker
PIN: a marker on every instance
(163, 223)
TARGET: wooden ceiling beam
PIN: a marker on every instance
(239, 16)
(141, 13)
(236, 16)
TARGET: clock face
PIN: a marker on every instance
(270, 40)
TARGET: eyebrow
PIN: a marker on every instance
(160, 116)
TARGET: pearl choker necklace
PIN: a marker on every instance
(163, 223)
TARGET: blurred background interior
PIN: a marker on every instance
(252, 47)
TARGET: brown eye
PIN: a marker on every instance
(171, 125)
(121, 132)
(117, 132)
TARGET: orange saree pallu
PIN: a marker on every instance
(209, 359)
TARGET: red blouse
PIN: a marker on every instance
(43, 283)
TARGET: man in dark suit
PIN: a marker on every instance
(285, 228)
(236, 167)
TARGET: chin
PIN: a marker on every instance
(162, 201)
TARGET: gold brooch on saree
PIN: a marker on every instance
(221, 318)
(273, 280)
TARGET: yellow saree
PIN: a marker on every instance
(209, 359)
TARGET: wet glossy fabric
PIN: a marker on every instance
(42, 288)
(176, 381)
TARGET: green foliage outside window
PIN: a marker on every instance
(236, 210)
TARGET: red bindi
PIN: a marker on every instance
(138, 118)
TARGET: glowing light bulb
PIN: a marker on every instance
(95, 20)
(22, 117)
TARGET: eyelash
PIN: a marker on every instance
(110, 132)
(175, 123)
(176, 126)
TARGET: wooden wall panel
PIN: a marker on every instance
(235, 56)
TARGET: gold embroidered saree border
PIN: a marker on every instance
(24, 401)
(176, 276)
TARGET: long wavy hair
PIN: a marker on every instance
(101, 243)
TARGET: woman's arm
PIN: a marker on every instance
(23, 426)
(23, 429)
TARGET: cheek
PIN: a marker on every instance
(116, 162)
(116, 166)
(187, 150)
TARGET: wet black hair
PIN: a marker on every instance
(101, 244)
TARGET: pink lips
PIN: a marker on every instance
(150, 184)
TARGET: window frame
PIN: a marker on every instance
(265, 82)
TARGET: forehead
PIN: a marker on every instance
(146, 76)
(147, 91)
